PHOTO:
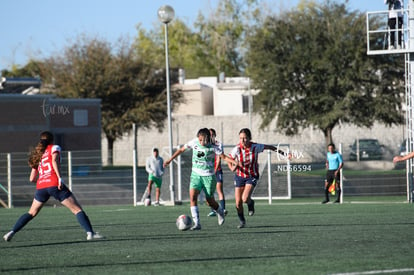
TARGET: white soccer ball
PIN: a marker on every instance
(147, 202)
(183, 222)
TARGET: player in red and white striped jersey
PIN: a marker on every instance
(247, 173)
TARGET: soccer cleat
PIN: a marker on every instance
(220, 216)
(157, 203)
(196, 227)
(225, 212)
(8, 236)
(325, 201)
(337, 201)
(211, 214)
(241, 225)
(251, 208)
(93, 236)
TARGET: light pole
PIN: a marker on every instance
(166, 15)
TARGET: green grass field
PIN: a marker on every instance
(290, 237)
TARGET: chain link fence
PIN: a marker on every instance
(365, 173)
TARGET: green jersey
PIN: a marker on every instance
(203, 157)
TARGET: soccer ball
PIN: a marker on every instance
(147, 202)
(183, 222)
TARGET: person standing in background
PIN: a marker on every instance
(334, 164)
(395, 19)
(155, 169)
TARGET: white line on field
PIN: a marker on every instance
(116, 210)
(377, 271)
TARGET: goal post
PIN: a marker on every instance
(275, 176)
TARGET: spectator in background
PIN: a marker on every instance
(155, 169)
(395, 19)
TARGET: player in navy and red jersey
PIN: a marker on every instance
(219, 175)
(45, 163)
(247, 173)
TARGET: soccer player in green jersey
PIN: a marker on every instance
(202, 174)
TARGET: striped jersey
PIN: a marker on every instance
(217, 160)
(47, 175)
(247, 157)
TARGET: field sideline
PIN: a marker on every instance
(290, 237)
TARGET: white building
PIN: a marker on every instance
(219, 97)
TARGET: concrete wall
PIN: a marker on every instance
(309, 140)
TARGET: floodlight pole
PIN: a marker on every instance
(165, 15)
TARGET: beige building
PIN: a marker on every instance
(198, 100)
(223, 96)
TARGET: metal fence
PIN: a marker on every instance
(302, 177)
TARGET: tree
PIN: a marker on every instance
(221, 34)
(131, 91)
(216, 43)
(313, 71)
(185, 49)
(32, 69)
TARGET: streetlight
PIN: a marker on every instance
(166, 15)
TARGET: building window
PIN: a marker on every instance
(80, 117)
(245, 99)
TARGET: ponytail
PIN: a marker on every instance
(46, 138)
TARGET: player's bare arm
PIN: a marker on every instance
(232, 163)
(231, 166)
(339, 169)
(55, 166)
(176, 154)
(277, 150)
(402, 158)
(33, 175)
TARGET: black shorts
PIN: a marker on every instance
(219, 176)
(241, 182)
(330, 176)
(43, 195)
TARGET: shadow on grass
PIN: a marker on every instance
(166, 261)
(194, 235)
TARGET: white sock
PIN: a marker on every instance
(195, 214)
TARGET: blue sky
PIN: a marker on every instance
(37, 29)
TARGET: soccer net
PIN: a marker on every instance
(275, 176)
